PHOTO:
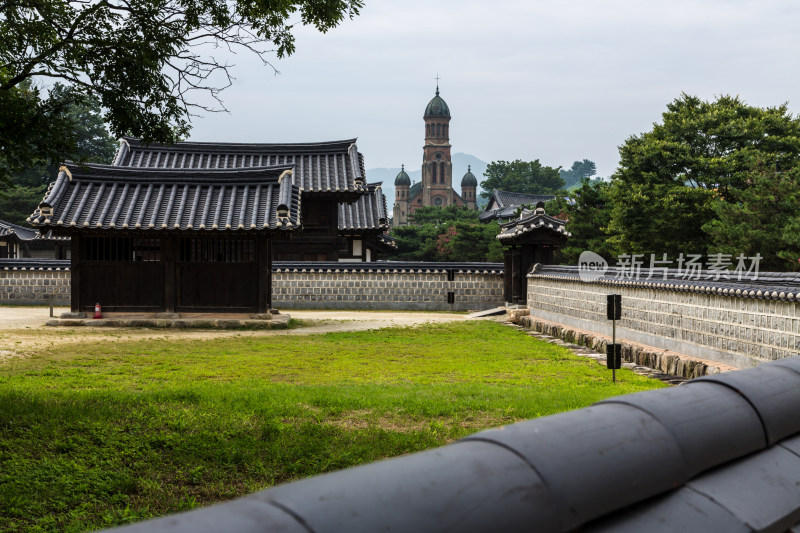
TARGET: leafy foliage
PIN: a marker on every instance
(579, 171)
(447, 234)
(144, 60)
(89, 142)
(17, 203)
(587, 211)
(716, 176)
(528, 177)
(763, 218)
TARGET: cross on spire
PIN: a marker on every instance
(437, 78)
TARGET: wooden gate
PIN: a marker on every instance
(120, 273)
(216, 274)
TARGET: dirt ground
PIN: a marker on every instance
(22, 329)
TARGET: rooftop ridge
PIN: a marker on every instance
(343, 144)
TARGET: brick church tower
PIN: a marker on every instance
(436, 188)
(437, 169)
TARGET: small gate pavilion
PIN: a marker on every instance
(171, 240)
(530, 239)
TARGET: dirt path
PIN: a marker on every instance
(22, 329)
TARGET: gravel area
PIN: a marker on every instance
(23, 330)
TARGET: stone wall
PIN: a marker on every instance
(401, 286)
(396, 285)
(738, 323)
(34, 284)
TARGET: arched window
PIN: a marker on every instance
(438, 129)
(441, 171)
(427, 130)
(433, 173)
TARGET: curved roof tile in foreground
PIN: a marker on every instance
(108, 197)
(715, 454)
(321, 167)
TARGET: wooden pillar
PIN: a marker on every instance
(264, 247)
(168, 245)
(528, 259)
(516, 267)
(75, 273)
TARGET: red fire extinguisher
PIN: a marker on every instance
(97, 311)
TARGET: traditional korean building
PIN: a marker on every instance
(503, 205)
(530, 239)
(342, 218)
(362, 227)
(20, 242)
(171, 240)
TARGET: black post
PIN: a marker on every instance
(613, 352)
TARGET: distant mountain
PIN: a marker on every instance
(460, 163)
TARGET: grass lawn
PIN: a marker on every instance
(98, 434)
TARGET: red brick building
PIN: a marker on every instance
(436, 187)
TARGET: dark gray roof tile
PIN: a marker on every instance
(366, 213)
(22, 233)
(108, 197)
(773, 391)
(324, 167)
(773, 475)
(532, 220)
(723, 425)
(597, 459)
(682, 511)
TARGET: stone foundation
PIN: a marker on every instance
(663, 361)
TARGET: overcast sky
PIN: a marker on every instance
(555, 81)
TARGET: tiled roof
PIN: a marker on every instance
(331, 167)
(366, 213)
(531, 220)
(21, 232)
(387, 241)
(108, 197)
(508, 202)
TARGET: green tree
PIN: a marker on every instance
(587, 211)
(761, 219)
(580, 170)
(82, 117)
(447, 234)
(669, 179)
(529, 177)
(17, 203)
(93, 143)
(150, 63)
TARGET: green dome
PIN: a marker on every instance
(402, 179)
(469, 179)
(437, 107)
